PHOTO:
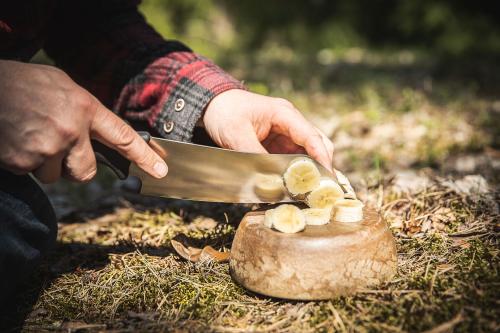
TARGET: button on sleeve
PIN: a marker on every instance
(179, 105)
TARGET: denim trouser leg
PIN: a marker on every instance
(28, 230)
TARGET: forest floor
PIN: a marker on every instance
(422, 150)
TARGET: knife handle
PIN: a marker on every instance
(113, 159)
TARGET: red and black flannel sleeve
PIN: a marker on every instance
(158, 85)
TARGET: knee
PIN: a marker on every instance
(28, 230)
(24, 235)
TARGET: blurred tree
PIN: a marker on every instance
(448, 27)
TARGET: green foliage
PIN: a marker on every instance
(452, 28)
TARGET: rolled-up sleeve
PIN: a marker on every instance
(108, 48)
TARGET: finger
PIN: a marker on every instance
(281, 144)
(246, 140)
(112, 131)
(50, 170)
(80, 164)
(328, 144)
(291, 123)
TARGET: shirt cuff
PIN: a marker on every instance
(174, 91)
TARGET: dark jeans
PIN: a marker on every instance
(28, 230)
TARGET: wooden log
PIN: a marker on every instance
(321, 262)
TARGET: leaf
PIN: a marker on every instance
(194, 254)
(188, 253)
(209, 253)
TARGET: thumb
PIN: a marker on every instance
(112, 131)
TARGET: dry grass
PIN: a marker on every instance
(448, 273)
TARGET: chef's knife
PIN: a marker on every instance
(202, 173)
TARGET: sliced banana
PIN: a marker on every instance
(348, 210)
(301, 176)
(317, 216)
(325, 195)
(346, 184)
(288, 219)
(268, 218)
(269, 187)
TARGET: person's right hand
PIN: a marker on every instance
(47, 121)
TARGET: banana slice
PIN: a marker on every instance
(269, 187)
(288, 219)
(268, 218)
(348, 210)
(346, 184)
(301, 176)
(317, 216)
(325, 195)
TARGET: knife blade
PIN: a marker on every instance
(203, 173)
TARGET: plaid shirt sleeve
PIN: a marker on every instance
(157, 85)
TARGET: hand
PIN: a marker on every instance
(244, 121)
(47, 121)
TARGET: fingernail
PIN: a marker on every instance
(161, 169)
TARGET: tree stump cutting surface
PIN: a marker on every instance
(320, 262)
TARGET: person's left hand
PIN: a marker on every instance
(240, 120)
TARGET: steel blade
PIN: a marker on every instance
(203, 173)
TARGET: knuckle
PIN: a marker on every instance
(22, 165)
(284, 103)
(82, 100)
(79, 99)
(51, 146)
(124, 136)
(67, 133)
(146, 159)
(50, 149)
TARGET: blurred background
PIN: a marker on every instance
(396, 84)
(399, 86)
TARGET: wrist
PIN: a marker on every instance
(217, 102)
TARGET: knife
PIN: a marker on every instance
(202, 173)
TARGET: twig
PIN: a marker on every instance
(338, 319)
(447, 326)
(433, 280)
